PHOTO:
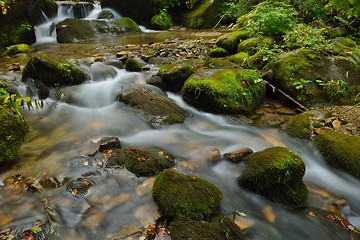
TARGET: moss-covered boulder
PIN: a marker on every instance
(230, 41)
(224, 91)
(239, 59)
(162, 21)
(18, 48)
(145, 162)
(158, 110)
(299, 126)
(13, 129)
(75, 30)
(202, 15)
(52, 71)
(179, 195)
(276, 173)
(174, 75)
(220, 228)
(218, 52)
(313, 77)
(341, 151)
(251, 45)
(133, 65)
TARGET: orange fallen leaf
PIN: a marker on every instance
(312, 214)
(269, 214)
(74, 192)
(86, 182)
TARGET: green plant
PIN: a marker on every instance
(269, 18)
(347, 12)
(15, 103)
(5, 6)
(303, 35)
(335, 89)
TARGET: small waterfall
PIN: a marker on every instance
(45, 32)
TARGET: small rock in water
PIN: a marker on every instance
(107, 143)
(236, 157)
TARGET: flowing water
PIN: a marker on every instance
(65, 131)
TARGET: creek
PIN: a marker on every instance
(64, 132)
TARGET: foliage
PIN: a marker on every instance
(5, 6)
(232, 10)
(347, 12)
(334, 89)
(303, 35)
(269, 18)
(309, 10)
(162, 21)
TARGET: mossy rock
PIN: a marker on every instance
(340, 45)
(158, 110)
(224, 91)
(202, 15)
(179, 195)
(52, 71)
(13, 129)
(299, 126)
(340, 151)
(133, 65)
(174, 75)
(251, 45)
(18, 48)
(130, 25)
(240, 58)
(221, 64)
(17, 32)
(312, 77)
(259, 59)
(277, 174)
(218, 52)
(220, 228)
(145, 162)
(230, 41)
(162, 21)
(105, 14)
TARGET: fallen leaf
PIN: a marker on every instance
(74, 192)
(86, 182)
(269, 214)
(312, 214)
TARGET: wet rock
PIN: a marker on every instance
(108, 143)
(341, 151)
(212, 155)
(276, 173)
(157, 109)
(52, 71)
(175, 75)
(132, 65)
(79, 187)
(233, 91)
(240, 59)
(299, 126)
(238, 156)
(269, 119)
(179, 195)
(220, 228)
(146, 162)
(105, 14)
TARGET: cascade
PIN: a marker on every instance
(45, 32)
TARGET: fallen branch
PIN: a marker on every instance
(286, 95)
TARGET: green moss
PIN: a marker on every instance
(52, 71)
(224, 91)
(230, 41)
(180, 195)
(13, 129)
(162, 21)
(277, 174)
(174, 75)
(260, 59)
(220, 228)
(132, 65)
(218, 52)
(221, 63)
(129, 24)
(146, 162)
(239, 58)
(203, 15)
(18, 48)
(299, 126)
(341, 151)
(252, 45)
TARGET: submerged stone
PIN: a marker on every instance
(179, 195)
(277, 174)
(341, 151)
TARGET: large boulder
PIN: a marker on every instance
(314, 77)
(52, 72)
(341, 151)
(230, 41)
(204, 14)
(139, 10)
(276, 173)
(233, 91)
(13, 129)
(158, 110)
(74, 30)
(174, 75)
(179, 195)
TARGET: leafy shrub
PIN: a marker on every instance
(269, 18)
(309, 10)
(303, 35)
(347, 12)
